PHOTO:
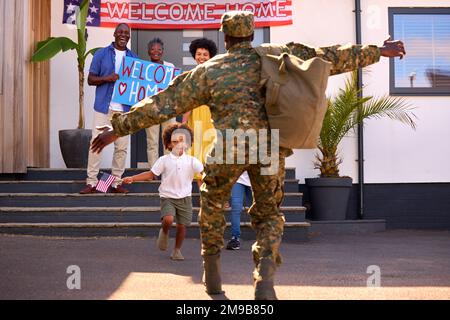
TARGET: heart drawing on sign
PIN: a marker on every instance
(122, 88)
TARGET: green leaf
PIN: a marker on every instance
(47, 49)
(44, 42)
(67, 44)
(92, 51)
(81, 27)
(81, 43)
(81, 18)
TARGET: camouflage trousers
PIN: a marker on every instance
(266, 218)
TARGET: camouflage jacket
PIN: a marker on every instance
(230, 85)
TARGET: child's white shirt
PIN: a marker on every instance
(177, 174)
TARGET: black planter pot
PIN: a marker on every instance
(74, 146)
(329, 197)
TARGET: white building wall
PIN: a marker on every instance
(393, 152)
(64, 86)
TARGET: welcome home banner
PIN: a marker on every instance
(179, 14)
(139, 79)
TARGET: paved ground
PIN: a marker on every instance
(412, 264)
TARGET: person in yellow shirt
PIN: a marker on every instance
(199, 119)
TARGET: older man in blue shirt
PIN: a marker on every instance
(103, 74)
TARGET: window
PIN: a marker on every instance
(425, 70)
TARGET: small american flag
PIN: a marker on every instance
(105, 181)
(71, 7)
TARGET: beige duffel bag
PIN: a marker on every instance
(295, 95)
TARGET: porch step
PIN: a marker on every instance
(74, 186)
(112, 214)
(44, 174)
(293, 231)
(105, 200)
(46, 202)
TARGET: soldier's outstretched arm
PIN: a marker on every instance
(343, 58)
(349, 57)
(188, 91)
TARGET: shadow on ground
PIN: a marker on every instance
(412, 264)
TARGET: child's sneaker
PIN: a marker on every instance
(234, 244)
(176, 255)
(163, 240)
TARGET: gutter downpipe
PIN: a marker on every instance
(360, 126)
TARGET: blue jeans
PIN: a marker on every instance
(237, 202)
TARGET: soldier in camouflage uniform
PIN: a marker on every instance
(230, 85)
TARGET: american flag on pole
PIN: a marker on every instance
(72, 7)
(105, 182)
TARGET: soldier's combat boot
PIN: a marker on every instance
(211, 274)
(264, 275)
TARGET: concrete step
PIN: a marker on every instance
(46, 202)
(105, 200)
(293, 232)
(48, 174)
(45, 174)
(112, 214)
(74, 186)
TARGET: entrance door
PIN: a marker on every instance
(176, 51)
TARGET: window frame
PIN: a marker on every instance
(396, 91)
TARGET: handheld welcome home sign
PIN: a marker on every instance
(139, 79)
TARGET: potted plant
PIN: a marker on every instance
(74, 157)
(329, 193)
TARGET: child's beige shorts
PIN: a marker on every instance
(181, 209)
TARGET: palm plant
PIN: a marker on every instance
(345, 112)
(50, 47)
